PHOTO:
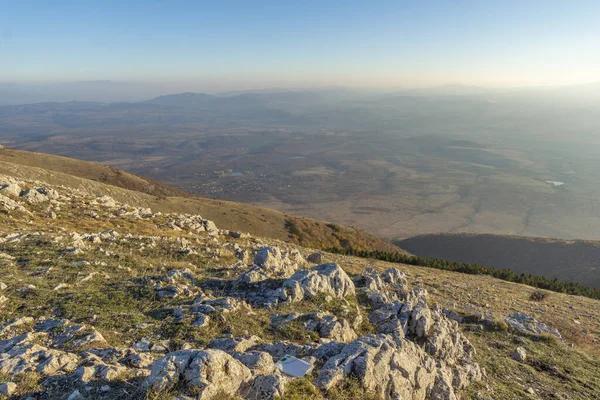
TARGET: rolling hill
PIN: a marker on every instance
(567, 260)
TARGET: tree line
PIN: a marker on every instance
(537, 281)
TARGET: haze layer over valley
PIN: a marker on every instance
(449, 159)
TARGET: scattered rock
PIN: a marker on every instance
(142, 360)
(93, 339)
(61, 286)
(520, 340)
(530, 326)
(202, 321)
(329, 326)
(26, 289)
(234, 344)
(8, 388)
(519, 354)
(11, 189)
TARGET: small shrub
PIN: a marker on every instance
(538, 295)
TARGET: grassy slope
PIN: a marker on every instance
(575, 260)
(131, 189)
(552, 369)
(89, 170)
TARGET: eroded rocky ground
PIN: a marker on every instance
(99, 299)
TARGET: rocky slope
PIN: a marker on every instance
(103, 299)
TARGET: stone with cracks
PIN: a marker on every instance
(259, 362)
(205, 372)
(391, 368)
(33, 196)
(267, 387)
(234, 344)
(271, 263)
(386, 287)
(326, 278)
(329, 326)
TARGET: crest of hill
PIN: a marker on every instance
(141, 192)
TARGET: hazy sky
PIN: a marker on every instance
(284, 42)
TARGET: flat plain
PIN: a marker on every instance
(396, 165)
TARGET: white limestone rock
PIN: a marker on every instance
(326, 278)
(206, 372)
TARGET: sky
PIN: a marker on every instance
(254, 43)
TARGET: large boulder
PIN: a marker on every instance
(10, 204)
(272, 263)
(445, 341)
(204, 372)
(407, 316)
(326, 278)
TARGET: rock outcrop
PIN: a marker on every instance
(272, 263)
(206, 372)
(417, 352)
(327, 279)
(393, 368)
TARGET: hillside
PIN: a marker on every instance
(89, 170)
(105, 300)
(566, 260)
(142, 192)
